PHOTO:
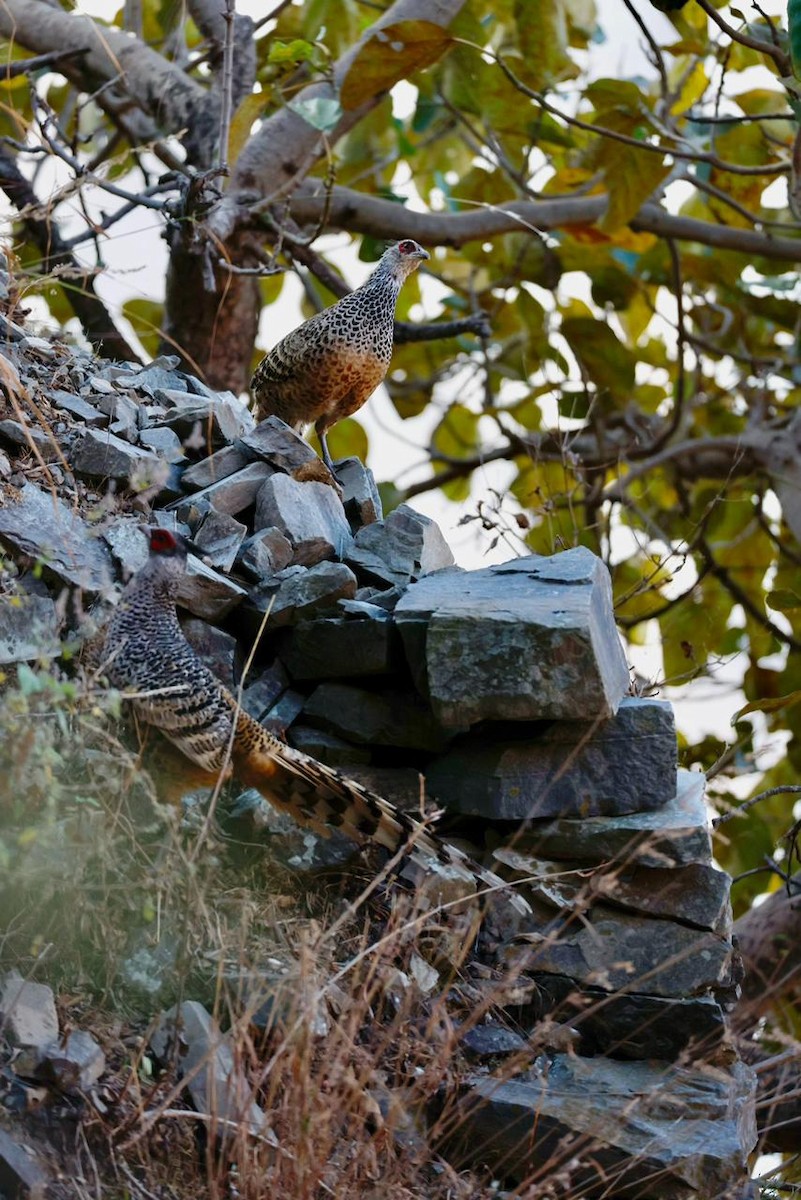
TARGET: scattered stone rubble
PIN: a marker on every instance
(505, 688)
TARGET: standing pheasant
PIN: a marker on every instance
(171, 688)
(326, 368)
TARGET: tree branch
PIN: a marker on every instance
(286, 146)
(380, 218)
(85, 303)
(157, 86)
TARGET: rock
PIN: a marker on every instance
(123, 412)
(217, 648)
(305, 851)
(103, 455)
(359, 493)
(675, 834)
(265, 553)
(163, 442)
(404, 547)
(402, 786)
(15, 433)
(328, 748)
(300, 591)
(218, 1088)
(392, 718)
(206, 593)
(490, 1041)
(337, 647)
(286, 709)
(29, 627)
(47, 530)
(569, 768)
(262, 693)
(77, 407)
(278, 444)
(21, 1175)
(621, 1121)
(160, 373)
(613, 950)
(233, 493)
(74, 1063)
(310, 515)
(27, 1012)
(220, 536)
(631, 1025)
(530, 639)
(214, 420)
(217, 466)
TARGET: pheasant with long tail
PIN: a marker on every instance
(171, 688)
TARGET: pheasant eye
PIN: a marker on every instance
(406, 247)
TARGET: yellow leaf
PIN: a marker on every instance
(391, 54)
(248, 111)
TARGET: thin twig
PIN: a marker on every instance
(227, 85)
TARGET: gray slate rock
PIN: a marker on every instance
(530, 639)
(391, 718)
(77, 407)
(297, 591)
(15, 433)
(206, 593)
(629, 1024)
(28, 628)
(48, 530)
(673, 835)
(217, 466)
(341, 648)
(217, 648)
(27, 1012)
(215, 1082)
(404, 547)
(73, 1063)
(615, 1119)
(490, 1041)
(103, 455)
(359, 493)
(21, 1174)
(568, 768)
(278, 444)
(328, 748)
(215, 420)
(163, 442)
(310, 515)
(233, 493)
(124, 413)
(265, 553)
(262, 692)
(220, 536)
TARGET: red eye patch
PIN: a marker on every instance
(162, 541)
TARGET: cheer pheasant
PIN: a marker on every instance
(328, 367)
(170, 687)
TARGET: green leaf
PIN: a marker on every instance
(320, 112)
(783, 599)
(768, 706)
(250, 109)
(605, 360)
(389, 55)
(146, 317)
(295, 51)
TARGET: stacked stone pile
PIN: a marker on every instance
(505, 688)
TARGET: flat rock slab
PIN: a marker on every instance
(310, 515)
(220, 536)
(48, 531)
(300, 591)
(531, 639)
(629, 1024)
(624, 764)
(360, 495)
(630, 1123)
(265, 553)
(391, 718)
(232, 493)
(217, 466)
(341, 648)
(21, 1174)
(614, 950)
(100, 454)
(27, 1012)
(404, 547)
(216, 1084)
(73, 1063)
(277, 443)
(672, 835)
(206, 593)
(28, 627)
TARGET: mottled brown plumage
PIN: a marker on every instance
(170, 687)
(326, 368)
